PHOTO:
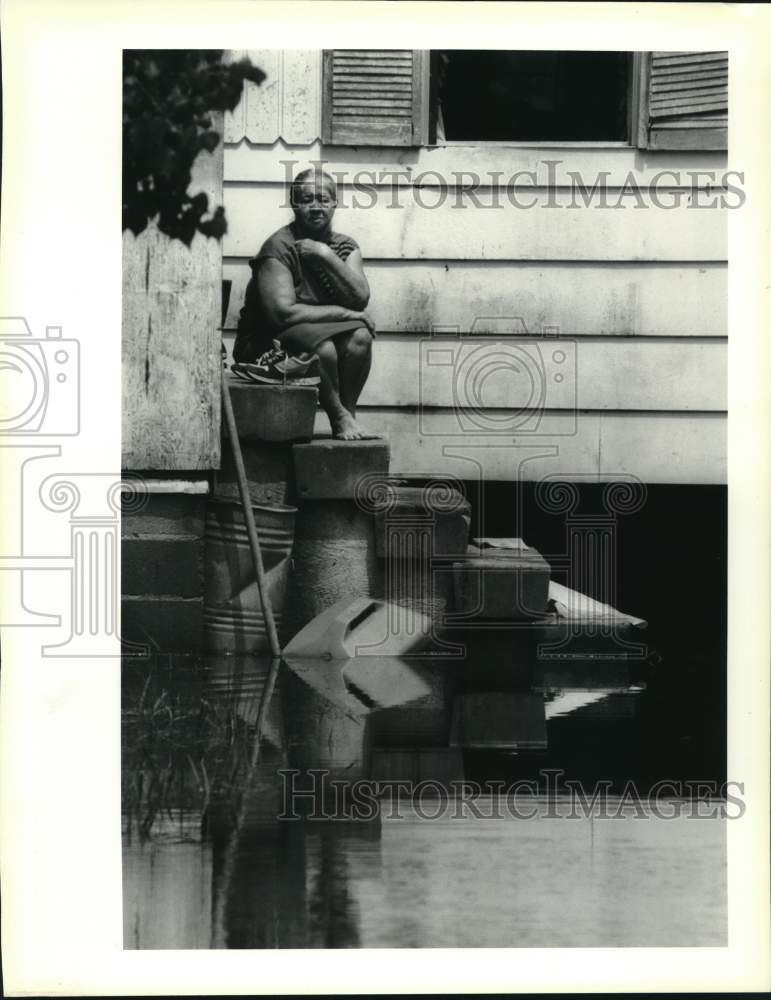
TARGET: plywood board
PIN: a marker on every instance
(172, 368)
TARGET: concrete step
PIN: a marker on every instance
(502, 583)
(327, 469)
(415, 522)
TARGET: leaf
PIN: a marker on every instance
(209, 141)
(246, 69)
(200, 203)
(216, 227)
(168, 96)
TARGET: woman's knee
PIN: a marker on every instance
(360, 340)
(326, 350)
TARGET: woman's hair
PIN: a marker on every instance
(319, 177)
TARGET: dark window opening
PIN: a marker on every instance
(499, 96)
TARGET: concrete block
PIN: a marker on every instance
(496, 720)
(166, 514)
(326, 469)
(165, 624)
(269, 472)
(504, 584)
(162, 565)
(273, 412)
(419, 523)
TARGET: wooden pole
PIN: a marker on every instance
(251, 527)
(221, 884)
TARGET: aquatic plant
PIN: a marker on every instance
(180, 748)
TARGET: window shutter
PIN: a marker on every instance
(375, 97)
(687, 100)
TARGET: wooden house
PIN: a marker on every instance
(566, 209)
(467, 237)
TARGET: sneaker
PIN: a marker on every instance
(276, 367)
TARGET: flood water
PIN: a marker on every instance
(218, 852)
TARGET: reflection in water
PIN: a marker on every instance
(209, 863)
(167, 888)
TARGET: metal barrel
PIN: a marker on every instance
(233, 617)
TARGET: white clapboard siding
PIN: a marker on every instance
(286, 106)
(643, 291)
(655, 447)
(664, 447)
(235, 120)
(449, 232)
(649, 300)
(562, 167)
(263, 102)
(490, 373)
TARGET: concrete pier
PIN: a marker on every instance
(327, 469)
(334, 552)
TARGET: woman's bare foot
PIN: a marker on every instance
(345, 428)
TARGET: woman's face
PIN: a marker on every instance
(314, 205)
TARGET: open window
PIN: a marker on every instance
(406, 97)
(530, 96)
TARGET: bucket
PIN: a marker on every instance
(233, 618)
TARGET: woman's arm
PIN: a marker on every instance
(277, 293)
(346, 276)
